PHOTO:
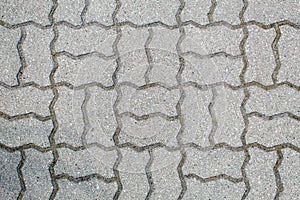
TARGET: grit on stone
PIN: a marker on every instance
(160, 99)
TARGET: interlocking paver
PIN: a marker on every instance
(92, 160)
(9, 59)
(9, 179)
(36, 174)
(143, 102)
(271, 11)
(228, 10)
(288, 46)
(69, 11)
(140, 12)
(196, 11)
(290, 174)
(37, 55)
(133, 174)
(91, 189)
(23, 131)
(213, 163)
(85, 40)
(261, 175)
(273, 132)
(14, 11)
(271, 102)
(261, 61)
(25, 100)
(219, 189)
(212, 40)
(69, 116)
(195, 111)
(100, 12)
(149, 131)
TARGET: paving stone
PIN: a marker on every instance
(213, 162)
(140, 12)
(85, 40)
(92, 160)
(229, 119)
(134, 62)
(275, 101)
(69, 11)
(149, 131)
(101, 117)
(133, 174)
(289, 172)
(288, 46)
(9, 59)
(69, 116)
(165, 175)
(205, 71)
(273, 132)
(219, 189)
(36, 174)
(271, 11)
(24, 131)
(9, 179)
(25, 100)
(197, 119)
(85, 71)
(260, 172)
(101, 12)
(150, 100)
(164, 39)
(261, 60)
(37, 55)
(91, 189)
(196, 11)
(15, 12)
(228, 10)
(165, 67)
(212, 40)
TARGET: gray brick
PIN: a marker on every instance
(36, 174)
(101, 12)
(9, 59)
(196, 11)
(228, 10)
(69, 11)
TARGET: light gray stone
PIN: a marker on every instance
(101, 12)
(164, 39)
(85, 40)
(212, 40)
(213, 162)
(15, 12)
(289, 47)
(149, 131)
(196, 116)
(25, 100)
(23, 131)
(150, 100)
(261, 176)
(219, 189)
(37, 55)
(289, 172)
(273, 132)
(36, 174)
(91, 189)
(69, 11)
(69, 116)
(261, 61)
(228, 10)
(272, 11)
(100, 113)
(196, 11)
(9, 59)
(140, 12)
(9, 179)
(80, 163)
(271, 102)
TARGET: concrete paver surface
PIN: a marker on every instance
(161, 99)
